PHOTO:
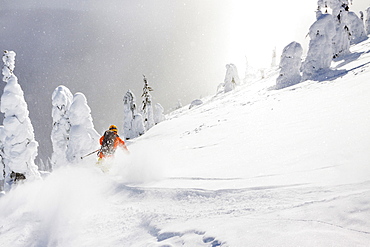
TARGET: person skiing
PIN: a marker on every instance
(109, 143)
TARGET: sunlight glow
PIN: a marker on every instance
(257, 28)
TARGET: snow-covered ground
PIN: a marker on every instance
(252, 167)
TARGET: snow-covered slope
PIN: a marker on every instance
(257, 136)
(253, 167)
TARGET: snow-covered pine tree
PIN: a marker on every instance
(129, 109)
(367, 21)
(147, 107)
(342, 38)
(20, 146)
(356, 27)
(178, 105)
(195, 102)
(83, 138)
(290, 64)
(61, 101)
(273, 58)
(320, 51)
(158, 113)
(249, 74)
(262, 73)
(2, 164)
(138, 125)
(231, 79)
(132, 127)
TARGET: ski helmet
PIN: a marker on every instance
(113, 128)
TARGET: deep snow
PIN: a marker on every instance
(252, 167)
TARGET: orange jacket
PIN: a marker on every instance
(117, 142)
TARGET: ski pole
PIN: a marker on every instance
(90, 154)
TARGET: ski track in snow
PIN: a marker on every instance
(115, 213)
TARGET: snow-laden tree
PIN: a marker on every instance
(290, 65)
(158, 113)
(333, 4)
(138, 125)
(342, 37)
(2, 164)
(132, 127)
(195, 102)
(83, 138)
(367, 21)
(147, 107)
(20, 146)
(61, 101)
(249, 74)
(320, 51)
(273, 58)
(129, 109)
(178, 105)
(231, 79)
(262, 73)
(357, 28)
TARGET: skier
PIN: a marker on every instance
(109, 143)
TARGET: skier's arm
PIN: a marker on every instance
(122, 144)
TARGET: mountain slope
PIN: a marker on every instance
(269, 136)
(254, 167)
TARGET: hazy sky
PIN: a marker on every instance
(102, 48)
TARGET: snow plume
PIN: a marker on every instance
(61, 101)
(141, 165)
(290, 63)
(58, 207)
(320, 51)
(20, 146)
(83, 138)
